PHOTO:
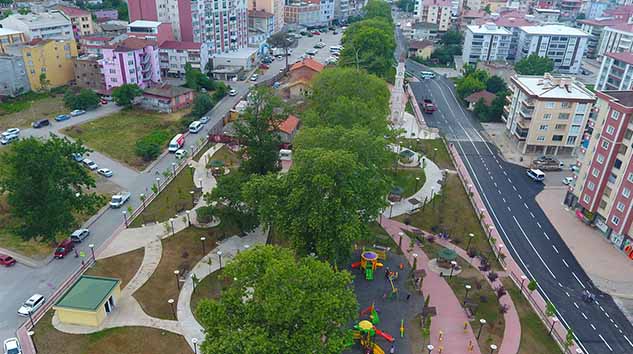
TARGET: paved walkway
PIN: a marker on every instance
(398, 96)
(450, 316)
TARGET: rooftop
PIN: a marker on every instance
(547, 11)
(624, 98)
(437, 3)
(420, 44)
(623, 26)
(143, 23)
(624, 57)
(259, 14)
(42, 19)
(554, 30)
(88, 293)
(133, 43)
(168, 91)
(73, 11)
(474, 14)
(488, 28)
(180, 45)
(488, 97)
(308, 62)
(289, 125)
(602, 21)
(553, 87)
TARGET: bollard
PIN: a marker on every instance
(465, 327)
(441, 337)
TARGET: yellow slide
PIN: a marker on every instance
(378, 349)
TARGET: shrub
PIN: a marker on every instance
(501, 291)
(205, 214)
(492, 276)
(150, 146)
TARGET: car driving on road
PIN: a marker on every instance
(79, 235)
(77, 112)
(62, 117)
(31, 305)
(41, 123)
(12, 346)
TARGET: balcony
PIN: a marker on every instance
(145, 58)
(528, 103)
(526, 113)
(523, 123)
(521, 133)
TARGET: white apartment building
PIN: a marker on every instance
(434, 11)
(45, 25)
(487, 42)
(616, 38)
(327, 11)
(221, 25)
(616, 72)
(564, 45)
(341, 9)
(275, 7)
(174, 56)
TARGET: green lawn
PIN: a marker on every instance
(409, 108)
(427, 147)
(116, 135)
(210, 287)
(405, 178)
(534, 337)
(230, 158)
(24, 110)
(171, 200)
(123, 266)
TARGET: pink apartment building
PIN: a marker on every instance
(132, 61)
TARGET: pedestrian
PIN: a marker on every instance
(387, 273)
(392, 350)
(408, 296)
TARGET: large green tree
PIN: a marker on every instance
(226, 201)
(281, 40)
(378, 9)
(469, 85)
(256, 129)
(124, 95)
(277, 303)
(45, 187)
(196, 79)
(85, 99)
(348, 98)
(369, 45)
(201, 105)
(534, 65)
(496, 84)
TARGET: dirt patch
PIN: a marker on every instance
(46, 107)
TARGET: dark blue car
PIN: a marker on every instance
(62, 117)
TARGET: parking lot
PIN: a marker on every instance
(305, 43)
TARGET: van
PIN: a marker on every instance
(64, 248)
(195, 127)
(536, 175)
(335, 48)
(176, 143)
(427, 75)
(285, 154)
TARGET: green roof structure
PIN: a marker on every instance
(88, 293)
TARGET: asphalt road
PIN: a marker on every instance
(600, 327)
(20, 282)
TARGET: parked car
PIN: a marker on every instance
(31, 305)
(62, 117)
(568, 180)
(90, 164)
(77, 156)
(319, 45)
(181, 153)
(8, 139)
(195, 127)
(64, 248)
(11, 131)
(77, 112)
(6, 260)
(264, 66)
(254, 77)
(105, 172)
(41, 123)
(79, 235)
(119, 199)
(12, 346)
(103, 101)
(233, 92)
(574, 168)
(536, 174)
(316, 33)
(204, 120)
(312, 52)
(267, 60)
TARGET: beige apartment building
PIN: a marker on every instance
(546, 114)
(434, 11)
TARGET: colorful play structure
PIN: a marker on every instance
(366, 330)
(369, 262)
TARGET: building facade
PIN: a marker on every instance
(81, 20)
(167, 98)
(434, 11)
(594, 27)
(261, 21)
(603, 185)
(304, 14)
(46, 25)
(88, 73)
(14, 80)
(566, 46)
(132, 61)
(223, 26)
(150, 30)
(274, 7)
(616, 72)
(547, 115)
(486, 43)
(175, 55)
(616, 38)
(177, 13)
(10, 37)
(48, 61)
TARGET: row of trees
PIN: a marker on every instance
(475, 80)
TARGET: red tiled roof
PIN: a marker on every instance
(308, 62)
(474, 14)
(625, 57)
(487, 96)
(420, 44)
(35, 41)
(133, 43)
(73, 11)
(179, 45)
(96, 38)
(289, 125)
(602, 22)
(623, 26)
(259, 14)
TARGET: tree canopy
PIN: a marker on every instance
(124, 95)
(496, 84)
(378, 9)
(534, 65)
(276, 303)
(46, 188)
(196, 79)
(281, 40)
(86, 99)
(226, 201)
(201, 105)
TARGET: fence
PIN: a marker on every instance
(22, 333)
(536, 300)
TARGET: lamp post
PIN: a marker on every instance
(468, 287)
(173, 167)
(200, 180)
(453, 265)
(434, 153)
(125, 218)
(202, 239)
(31, 317)
(470, 239)
(188, 218)
(171, 221)
(158, 183)
(482, 322)
(92, 250)
(192, 193)
(554, 320)
(417, 181)
(523, 279)
(176, 272)
(415, 260)
(142, 197)
(195, 345)
(430, 348)
(391, 204)
(493, 347)
(171, 305)
(499, 251)
(220, 258)
(31, 334)
(400, 235)
(192, 148)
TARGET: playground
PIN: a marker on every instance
(388, 303)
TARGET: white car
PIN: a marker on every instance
(79, 235)
(90, 164)
(11, 131)
(12, 346)
(77, 112)
(204, 120)
(105, 172)
(8, 139)
(568, 181)
(31, 305)
(233, 93)
(254, 77)
(181, 153)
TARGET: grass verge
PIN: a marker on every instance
(210, 287)
(230, 158)
(24, 110)
(180, 252)
(122, 266)
(427, 147)
(405, 178)
(122, 340)
(116, 135)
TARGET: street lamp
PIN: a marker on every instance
(470, 239)
(31, 317)
(493, 347)
(176, 272)
(499, 251)
(192, 193)
(415, 260)
(482, 322)
(171, 304)
(158, 183)
(523, 279)
(92, 250)
(220, 258)
(31, 334)
(400, 235)
(171, 221)
(554, 320)
(188, 219)
(391, 209)
(142, 197)
(417, 180)
(200, 180)
(434, 153)
(468, 287)
(430, 348)
(195, 345)
(202, 239)
(125, 218)
(453, 265)
(173, 167)
(192, 147)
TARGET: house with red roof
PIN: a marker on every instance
(299, 77)
(81, 20)
(288, 129)
(174, 55)
(167, 98)
(472, 100)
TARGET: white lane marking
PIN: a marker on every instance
(504, 173)
(575, 304)
(525, 205)
(532, 215)
(584, 316)
(509, 180)
(620, 331)
(533, 248)
(564, 261)
(555, 249)
(515, 188)
(597, 303)
(504, 199)
(561, 285)
(611, 319)
(579, 282)
(616, 325)
(605, 342)
(592, 326)
(495, 183)
(627, 339)
(520, 197)
(602, 308)
(539, 225)
(492, 178)
(606, 314)
(566, 293)
(509, 209)
(499, 190)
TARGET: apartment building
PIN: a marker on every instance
(603, 185)
(616, 72)
(617, 38)
(566, 46)
(434, 11)
(595, 27)
(175, 55)
(10, 37)
(341, 10)
(88, 72)
(173, 12)
(223, 26)
(81, 20)
(546, 15)
(262, 22)
(132, 61)
(303, 13)
(46, 25)
(326, 11)
(511, 21)
(14, 80)
(547, 115)
(486, 43)
(274, 7)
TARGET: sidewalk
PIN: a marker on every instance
(398, 96)
(450, 316)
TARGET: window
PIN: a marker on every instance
(605, 144)
(586, 199)
(617, 164)
(603, 204)
(547, 116)
(600, 159)
(563, 116)
(557, 138)
(560, 126)
(591, 186)
(565, 105)
(628, 134)
(540, 138)
(610, 129)
(630, 177)
(542, 127)
(550, 105)
(615, 220)
(626, 192)
(571, 140)
(615, 115)
(620, 206)
(595, 172)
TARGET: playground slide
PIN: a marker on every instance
(369, 274)
(378, 349)
(386, 336)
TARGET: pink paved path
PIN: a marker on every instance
(450, 316)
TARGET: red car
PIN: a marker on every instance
(6, 261)
(316, 33)
(104, 101)
(264, 66)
